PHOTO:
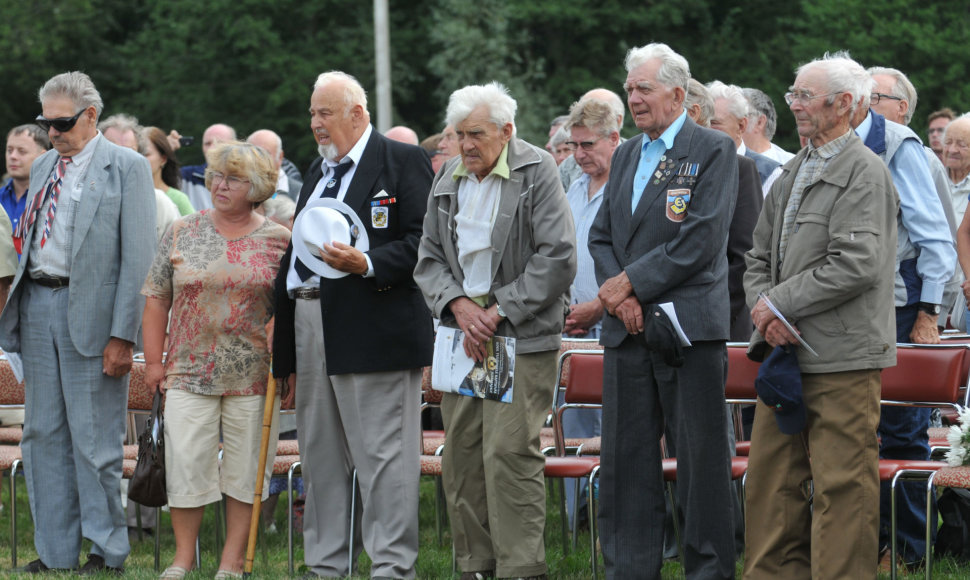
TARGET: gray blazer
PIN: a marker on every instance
(684, 262)
(114, 242)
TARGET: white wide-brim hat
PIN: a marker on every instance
(323, 221)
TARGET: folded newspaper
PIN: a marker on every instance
(455, 372)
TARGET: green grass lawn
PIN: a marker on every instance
(434, 560)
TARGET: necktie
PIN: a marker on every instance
(29, 216)
(331, 190)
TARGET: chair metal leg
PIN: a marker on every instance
(289, 515)
(563, 515)
(892, 527)
(574, 526)
(930, 497)
(591, 514)
(158, 536)
(13, 511)
(675, 516)
(353, 516)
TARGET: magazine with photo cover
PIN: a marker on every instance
(455, 372)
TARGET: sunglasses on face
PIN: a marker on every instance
(61, 124)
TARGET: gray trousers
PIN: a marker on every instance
(367, 421)
(74, 428)
(640, 395)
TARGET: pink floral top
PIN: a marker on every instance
(222, 297)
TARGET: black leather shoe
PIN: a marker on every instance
(36, 567)
(95, 565)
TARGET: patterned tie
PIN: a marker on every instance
(331, 190)
(29, 216)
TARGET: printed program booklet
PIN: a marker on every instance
(454, 372)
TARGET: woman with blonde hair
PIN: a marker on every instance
(214, 271)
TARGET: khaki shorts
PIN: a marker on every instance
(193, 472)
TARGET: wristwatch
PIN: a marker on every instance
(498, 309)
(928, 308)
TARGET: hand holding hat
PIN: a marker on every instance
(328, 221)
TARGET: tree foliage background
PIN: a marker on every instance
(185, 64)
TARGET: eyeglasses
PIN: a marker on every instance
(804, 97)
(876, 97)
(586, 145)
(61, 124)
(234, 183)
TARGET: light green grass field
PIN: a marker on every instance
(434, 560)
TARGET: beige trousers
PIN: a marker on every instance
(492, 471)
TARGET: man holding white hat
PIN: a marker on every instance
(352, 334)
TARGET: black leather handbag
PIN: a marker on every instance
(147, 485)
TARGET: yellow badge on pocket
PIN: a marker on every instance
(378, 217)
(678, 200)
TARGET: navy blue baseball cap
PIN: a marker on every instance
(779, 385)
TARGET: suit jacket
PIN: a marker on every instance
(670, 256)
(370, 324)
(113, 246)
(766, 165)
(746, 212)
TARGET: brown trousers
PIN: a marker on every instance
(838, 536)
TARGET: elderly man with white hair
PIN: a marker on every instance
(273, 144)
(661, 237)
(823, 256)
(762, 122)
(497, 258)
(731, 117)
(351, 340)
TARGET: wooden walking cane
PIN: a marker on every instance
(269, 407)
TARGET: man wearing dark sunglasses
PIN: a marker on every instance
(74, 312)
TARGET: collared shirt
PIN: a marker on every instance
(651, 151)
(356, 152)
(960, 196)
(584, 211)
(13, 206)
(478, 202)
(54, 258)
(808, 173)
(923, 219)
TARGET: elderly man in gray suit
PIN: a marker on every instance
(660, 237)
(73, 314)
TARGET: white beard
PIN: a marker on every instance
(328, 152)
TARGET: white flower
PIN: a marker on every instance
(964, 416)
(956, 456)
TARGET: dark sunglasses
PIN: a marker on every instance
(62, 124)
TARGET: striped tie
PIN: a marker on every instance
(29, 216)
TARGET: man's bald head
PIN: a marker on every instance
(216, 133)
(269, 141)
(402, 134)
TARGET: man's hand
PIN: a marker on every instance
(776, 334)
(966, 291)
(761, 316)
(924, 329)
(344, 258)
(288, 394)
(614, 291)
(478, 324)
(116, 360)
(582, 316)
(631, 313)
(173, 140)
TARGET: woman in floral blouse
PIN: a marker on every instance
(213, 273)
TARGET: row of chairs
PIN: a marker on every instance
(934, 376)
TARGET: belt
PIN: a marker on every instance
(51, 281)
(307, 293)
